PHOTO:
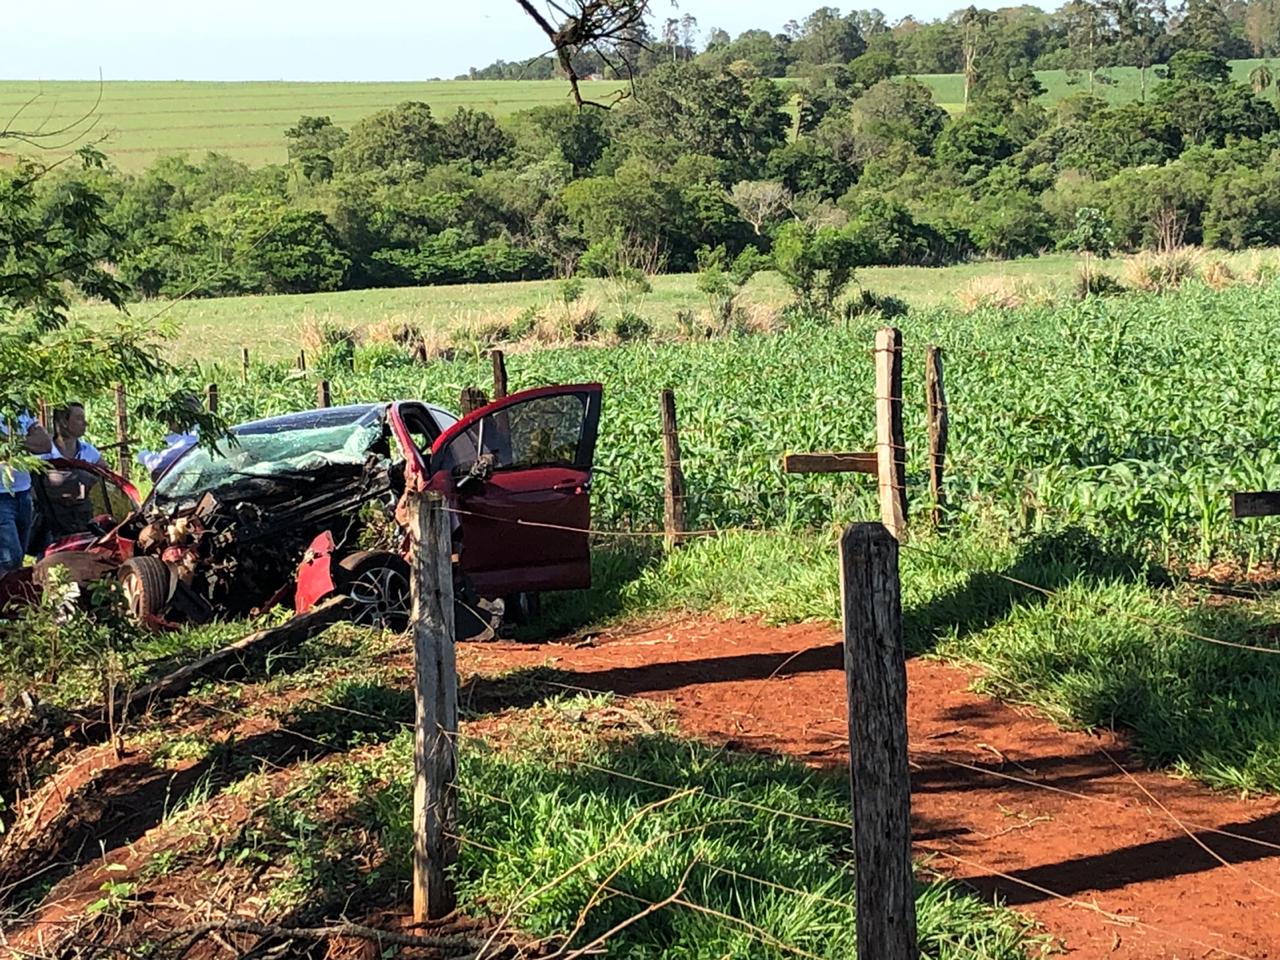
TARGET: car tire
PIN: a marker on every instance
(378, 584)
(147, 585)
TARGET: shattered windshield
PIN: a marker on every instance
(277, 448)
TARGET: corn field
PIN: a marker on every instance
(1137, 416)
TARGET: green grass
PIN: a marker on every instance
(1115, 84)
(215, 330)
(142, 120)
(542, 833)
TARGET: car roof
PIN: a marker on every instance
(326, 417)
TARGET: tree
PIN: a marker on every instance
(405, 136)
(1205, 27)
(50, 245)
(973, 32)
(683, 108)
(1139, 25)
(761, 202)
(1089, 28)
(576, 136)
(1090, 237)
(1244, 210)
(895, 112)
(611, 30)
(827, 37)
(312, 142)
(1260, 78)
(817, 263)
(475, 136)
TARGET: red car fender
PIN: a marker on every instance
(315, 573)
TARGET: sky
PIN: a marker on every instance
(318, 39)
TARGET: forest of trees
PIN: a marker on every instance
(1082, 35)
(705, 155)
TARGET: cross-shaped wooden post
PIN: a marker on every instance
(888, 461)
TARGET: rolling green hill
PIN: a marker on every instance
(140, 120)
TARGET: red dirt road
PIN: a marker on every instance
(1009, 803)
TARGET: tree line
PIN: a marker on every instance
(703, 163)
(1084, 36)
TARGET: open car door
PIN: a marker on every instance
(518, 471)
(76, 503)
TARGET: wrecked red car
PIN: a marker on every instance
(300, 507)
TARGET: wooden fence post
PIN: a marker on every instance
(471, 399)
(936, 400)
(244, 364)
(499, 374)
(324, 396)
(435, 694)
(876, 676)
(673, 499)
(302, 360)
(122, 431)
(44, 415)
(891, 447)
(211, 397)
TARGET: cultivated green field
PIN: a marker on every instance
(1116, 84)
(141, 120)
(271, 326)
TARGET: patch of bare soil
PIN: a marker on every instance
(1115, 862)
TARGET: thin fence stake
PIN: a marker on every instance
(876, 678)
(936, 401)
(435, 694)
(211, 397)
(302, 360)
(891, 447)
(499, 374)
(324, 396)
(673, 500)
(244, 364)
(122, 430)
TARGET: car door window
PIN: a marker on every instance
(422, 426)
(541, 432)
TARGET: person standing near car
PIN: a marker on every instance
(176, 442)
(15, 493)
(69, 426)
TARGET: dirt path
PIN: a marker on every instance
(1026, 807)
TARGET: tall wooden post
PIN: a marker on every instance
(324, 396)
(499, 374)
(435, 694)
(471, 399)
(673, 499)
(891, 445)
(936, 401)
(302, 360)
(244, 364)
(876, 676)
(122, 431)
(211, 397)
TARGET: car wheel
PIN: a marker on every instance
(146, 584)
(378, 585)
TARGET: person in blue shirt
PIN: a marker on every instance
(15, 493)
(176, 442)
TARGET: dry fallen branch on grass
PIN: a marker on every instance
(464, 945)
